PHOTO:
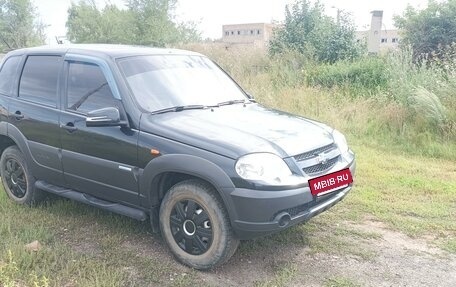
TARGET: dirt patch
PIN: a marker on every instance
(399, 261)
(399, 240)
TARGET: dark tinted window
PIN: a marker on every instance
(88, 89)
(39, 80)
(7, 74)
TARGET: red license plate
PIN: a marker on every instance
(330, 182)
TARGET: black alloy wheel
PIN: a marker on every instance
(15, 178)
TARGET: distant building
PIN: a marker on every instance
(377, 39)
(254, 34)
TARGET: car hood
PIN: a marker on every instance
(236, 130)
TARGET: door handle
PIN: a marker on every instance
(18, 115)
(69, 127)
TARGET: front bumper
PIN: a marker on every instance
(258, 213)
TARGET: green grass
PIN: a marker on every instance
(449, 245)
(320, 235)
(340, 282)
(82, 246)
(415, 195)
(283, 275)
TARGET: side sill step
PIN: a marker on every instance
(93, 201)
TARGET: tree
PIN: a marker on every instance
(87, 24)
(310, 32)
(19, 25)
(154, 21)
(144, 22)
(429, 31)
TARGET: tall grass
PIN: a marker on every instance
(363, 77)
(388, 101)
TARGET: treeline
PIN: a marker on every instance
(307, 30)
(140, 22)
(19, 25)
(143, 22)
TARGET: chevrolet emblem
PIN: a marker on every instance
(322, 158)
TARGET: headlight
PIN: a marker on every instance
(265, 167)
(340, 140)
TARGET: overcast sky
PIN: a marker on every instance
(212, 14)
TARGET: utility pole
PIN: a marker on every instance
(339, 12)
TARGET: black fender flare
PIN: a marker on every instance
(12, 132)
(185, 164)
(4, 128)
(15, 135)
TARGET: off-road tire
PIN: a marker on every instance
(223, 244)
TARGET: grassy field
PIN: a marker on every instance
(405, 181)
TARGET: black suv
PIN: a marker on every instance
(166, 135)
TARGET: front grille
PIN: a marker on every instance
(321, 167)
(313, 153)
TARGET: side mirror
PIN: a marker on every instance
(106, 117)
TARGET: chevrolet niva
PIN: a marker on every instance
(167, 135)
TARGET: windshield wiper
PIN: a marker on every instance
(179, 109)
(76, 105)
(231, 102)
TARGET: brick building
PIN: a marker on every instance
(377, 39)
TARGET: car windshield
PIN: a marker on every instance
(164, 81)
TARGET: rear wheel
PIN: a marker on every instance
(195, 225)
(17, 180)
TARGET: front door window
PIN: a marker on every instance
(88, 89)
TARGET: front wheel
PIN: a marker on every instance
(195, 225)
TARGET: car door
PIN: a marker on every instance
(100, 161)
(34, 115)
(8, 74)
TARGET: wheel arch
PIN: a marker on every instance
(165, 171)
(5, 139)
(12, 134)
(5, 142)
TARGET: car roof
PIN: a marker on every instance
(104, 50)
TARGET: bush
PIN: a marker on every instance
(427, 105)
(367, 75)
(310, 32)
(427, 91)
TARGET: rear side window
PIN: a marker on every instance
(88, 88)
(39, 80)
(7, 74)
